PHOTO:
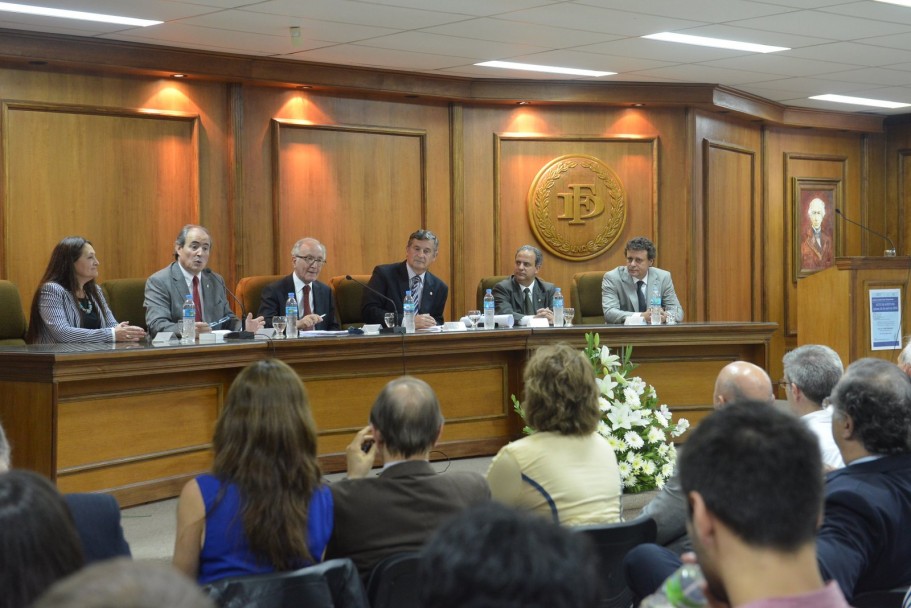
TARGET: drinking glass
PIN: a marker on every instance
(474, 316)
(280, 324)
(389, 318)
(568, 314)
(671, 318)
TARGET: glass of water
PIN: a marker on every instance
(389, 319)
(279, 324)
(671, 315)
(474, 316)
(568, 314)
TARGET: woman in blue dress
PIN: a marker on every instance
(264, 507)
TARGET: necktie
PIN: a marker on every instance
(305, 300)
(640, 285)
(416, 292)
(196, 301)
(529, 307)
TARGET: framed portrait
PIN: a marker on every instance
(816, 238)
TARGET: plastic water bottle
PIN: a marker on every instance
(558, 308)
(408, 317)
(291, 313)
(188, 324)
(682, 589)
(654, 306)
(489, 310)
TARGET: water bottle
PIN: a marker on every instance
(489, 310)
(408, 308)
(682, 589)
(558, 308)
(654, 306)
(188, 324)
(291, 313)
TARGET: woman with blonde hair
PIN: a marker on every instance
(263, 508)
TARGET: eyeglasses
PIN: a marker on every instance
(309, 260)
(784, 383)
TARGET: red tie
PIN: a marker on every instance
(196, 301)
(306, 298)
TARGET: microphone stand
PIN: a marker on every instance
(890, 253)
(234, 335)
(397, 329)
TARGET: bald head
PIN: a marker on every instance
(742, 381)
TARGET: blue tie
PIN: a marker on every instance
(416, 292)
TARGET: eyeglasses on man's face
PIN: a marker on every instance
(309, 260)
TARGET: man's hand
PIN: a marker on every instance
(202, 327)
(360, 454)
(424, 321)
(546, 313)
(308, 322)
(252, 324)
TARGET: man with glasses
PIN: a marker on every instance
(315, 304)
(810, 373)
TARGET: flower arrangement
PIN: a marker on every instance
(637, 428)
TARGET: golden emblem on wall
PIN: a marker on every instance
(576, 207)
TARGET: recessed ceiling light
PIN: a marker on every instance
(716, 42)
(178, 75)
(542, 68)
(862, 101)
(44, 11)
(522, 103)
(898, 2)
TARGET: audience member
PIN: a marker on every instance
(565, 470)
(399, 509)
(493, 557)
(810, 373)
(754, 548)
(393, 280)
(263, 507)
(626, 290)
(904, 359)
(865, 538)
(316, 304)
(38, 541)
(123, 583)
(524, 295)
(68, 305)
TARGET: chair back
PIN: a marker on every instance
(348, 298)
(485, 284)
(612, 542)
(332, 584)
(12, 318)
(887, 598)
(394, 582)
(585, 294)
(125, 298)
(250, 292)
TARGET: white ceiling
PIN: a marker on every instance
(859, 48)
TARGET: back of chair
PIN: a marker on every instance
(485, 284)
(125, 298)
(332, 584)
(394, 582)
(613, 542)
(250, 291)
(12, 318)
(585, 294)
(891, 598)
(348, 298)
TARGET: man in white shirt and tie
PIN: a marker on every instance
(625, 290)
(524, 295)
(315, 303)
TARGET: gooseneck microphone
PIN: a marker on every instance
(234, 335)
(889, 252)
(398, 329)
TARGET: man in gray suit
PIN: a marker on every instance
(524, 295)
(166, 290)
(625, 290)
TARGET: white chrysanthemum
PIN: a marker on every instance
(667, 469)
(649, 467)
(631, 397)
(616, 444)
(638, 462)
(672, 454)
(630, 482)
(655, 435)
(603, 404)
(659, 482)
(633, 440)
(663, 449)
(630, 456)
(637, 384)
(625, 469)
(659, 417)
(604, 430)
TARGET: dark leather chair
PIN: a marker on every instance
(332, 584)
(485, 284)
(891, 598)
(612, 542)
(12, 318)
(250, 292)
(585, 295)
(394, 582)
(348, 298)
(125, 298)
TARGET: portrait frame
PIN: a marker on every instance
(814, 254)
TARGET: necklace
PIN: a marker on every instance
(86, 310)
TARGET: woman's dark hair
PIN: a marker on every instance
(61, 270)
(38, 540)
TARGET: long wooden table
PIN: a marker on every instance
(137, 420)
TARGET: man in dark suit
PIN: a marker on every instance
(393, 280)
(166, 290)
(316, 305)
(524, 295)
(625, 290)
(396, 511)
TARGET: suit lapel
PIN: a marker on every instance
(630, 289)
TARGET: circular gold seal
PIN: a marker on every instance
(576, 207)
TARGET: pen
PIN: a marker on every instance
(219, 322)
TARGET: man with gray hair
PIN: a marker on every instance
(316, 304)
(524, 295)
(397, 510)
(810, 373)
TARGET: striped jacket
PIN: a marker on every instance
(60, 313)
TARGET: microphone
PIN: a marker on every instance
(890, 252)
(234, 335)
(397, 329)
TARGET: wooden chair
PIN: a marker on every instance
(12, 318)
(585, 294)
(348, 298)
(394, 582)
(612, 542)
(250, 290)
(485, 284)
(125, 298)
